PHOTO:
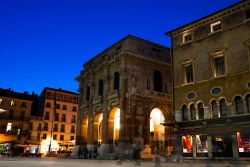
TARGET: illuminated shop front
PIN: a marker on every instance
(187, 145)
(243, 141)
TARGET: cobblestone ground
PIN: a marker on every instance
(60, 162)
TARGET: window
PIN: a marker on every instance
(248, 103)
(46, 116)
(23, 105)
(61, 137)
(193, 112)
(243, 142)
(72, 129)
(64, 107)
(22, 115)
(56, 117)
(62, 128)
(38, 136)
(74, 108)
(215, 109)
(11, 114)
(9, 125)
(116, 81)
(219, 66)
(215, 27)
(223, 107)
(45, 126)
(248, 13)
(187, 144)
(88, 93)
(157, 81)
(201, 111)
(239, 107)
(72, 138)
(39, 128)
(44, 135)
(201, 144)
(73, 120)
(187, 38)
(63, 118)
(184, 113)
(12, 103)
(30, 126)
(100, 88)
(54, 137)
(48, 105)
(58, 106)
(188, 72)
(55, 128)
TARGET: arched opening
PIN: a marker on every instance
(223, 108)
(215, 109)
(248, 103)
(201, 110)
(239, 107)
(193, 112)
(84, 130)
(98, 126)
(157, 131)
(114, 127)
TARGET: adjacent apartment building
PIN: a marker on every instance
(211, 69)
(54, 126)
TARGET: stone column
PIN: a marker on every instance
(90, 144)
(177, 143)
(235, 145)
(194, 146)
(245, 106)
(79, 128)
(231, 110)
(210, 146)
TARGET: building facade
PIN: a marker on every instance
(15, 115)
(54, 125)
(211, 69)
(125, 93)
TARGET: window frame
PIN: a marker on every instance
(214, 24)
(184, 41)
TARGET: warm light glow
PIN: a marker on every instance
(45, 145)
(9, 126)
(100, 118)
(117, 119)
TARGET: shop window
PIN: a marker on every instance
(201, 144)
(184, 113)
(201, 111)
(193, 112)
(116, 81)
(100, 88)
(223, 108)
(248, 103)
(187, 144)
(157, 81)
(222, 146)
(215, 27)
(243, 143)
(239, 107)
(215, 109)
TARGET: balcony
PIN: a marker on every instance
(156, 95)
(113, 94)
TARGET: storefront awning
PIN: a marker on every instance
(6, 138)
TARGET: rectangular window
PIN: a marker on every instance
(39, 128)
(248, 13)
(57, 106)
(46, 116)
(44, 135)
(187, 38)
(45, 127)
(189, 73)
(215, 27)
(64, 107)
(55, 127)
(72, 129)
(72, 138)
(219, 66)
(62, 128)
(74, 108)
(54, 137)
(63, 118)
(61, 137)
(73, 120)
(38, 136)
(187, 144)
(201, 144)
(56, 117)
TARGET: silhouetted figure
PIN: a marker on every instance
(80, 151)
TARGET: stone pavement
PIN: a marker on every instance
(63, 162)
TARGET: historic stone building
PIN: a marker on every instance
(211, 64)
(125, 93)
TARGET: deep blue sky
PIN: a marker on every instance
(45, 42)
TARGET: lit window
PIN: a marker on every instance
(1, 100)
(187, 144)
(215, 26)
(12, 103)
(9, 125)
(219, 65)
(189, 73)
(187, 38)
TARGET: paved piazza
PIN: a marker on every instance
(60, 162)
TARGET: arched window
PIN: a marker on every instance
(201, 110)
(215, 109)
(100, 87)
(88, 93)
(193, 112)
(239, 107)
(248, 103)
(157, 81)
(184, 113)
(116, 81)
(223, 108)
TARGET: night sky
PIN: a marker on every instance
(44, 43)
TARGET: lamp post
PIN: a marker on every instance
(52, 124)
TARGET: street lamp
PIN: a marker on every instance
(52, 124)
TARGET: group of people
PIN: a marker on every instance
(84, 153)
